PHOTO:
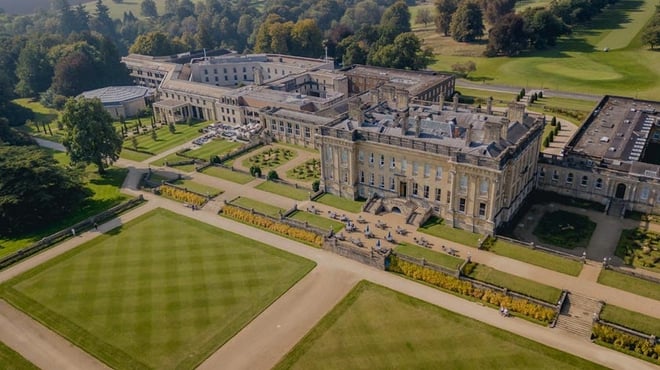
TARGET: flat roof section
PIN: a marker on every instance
(116, 94)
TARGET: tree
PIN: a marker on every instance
(33, 70)
(542, 27)
(651, 36)
(467, 22)
(255, 171)
(88, 133)
(134, 142)
(496, 9)
(306, 38)
(395, 21)
(464, 68)
(445, 9)
(35, 189)
(155, 43)
(404, 53)
(507, 37)
(424, 16)
(171, 6)
(154, 135)
(74, 73)
(102, 23)
(148, 9)
(272, 175)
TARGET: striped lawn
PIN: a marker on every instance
(164, 291)
(376, 328)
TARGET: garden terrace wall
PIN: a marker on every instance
(240, 151)
(627, 341)
(66, 233)
(650, 278)
(422, 262)
(205, 197)
(531, 245)
(366, 256)
(651, 338)
(283, 220)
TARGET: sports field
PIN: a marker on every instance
(377, 328)
(163, 291)
(577, 63)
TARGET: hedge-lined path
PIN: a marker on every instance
(565, 134)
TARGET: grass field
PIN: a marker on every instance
(517, 284)
(165, 140)
(197, 187)
(284, 190)
(630, 284)
(318, 221)
(437, 258)
(10, 360)
(436, 227)
(164, 291)
(42, 115)
(577, 63)
(215, 147)
(537, 257)
(105, 194)
(376, 328)
(348, 205)
(227, 174)
(258, 206)
(631, 319)
(565, 229)
(173, 158)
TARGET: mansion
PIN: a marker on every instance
(392, 137)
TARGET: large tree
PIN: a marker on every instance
(467, 22)
(395, 21)
(33, 70)
(542, 27)
(494, 10)
(89, 135)
(34, 189)
(404, 53)
(507, 37)
(148, 9)
(155, 44)
(444, 9)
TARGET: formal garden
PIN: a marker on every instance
(270, 158)
(639, 248)
(141, 147)
(377, 328)
(308, 171)
(565, 229)
(162, 291)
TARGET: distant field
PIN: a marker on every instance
(577, 63)
(31, 6)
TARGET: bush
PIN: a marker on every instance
(553, 122)
(316, 185)
(269, 224)
(255, 171)
(453, 284)
(182, 195)
(272, 175)
(626, 342)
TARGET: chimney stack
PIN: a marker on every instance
(468, 135)
(441, 101)
(504, 132)
(455, 102)
(492, 131)
(402, 99)
(516, 112)
(489, 106)
(355, 111)
(418, 126)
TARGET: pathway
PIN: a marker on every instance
(516, 89)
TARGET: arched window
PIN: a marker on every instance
(585, 181)
(569, 178)
(599, 183)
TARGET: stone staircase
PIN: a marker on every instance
(576, 316)
(616, 208)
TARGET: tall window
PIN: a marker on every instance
(463, 183)
(382, 160)
(461, 205)
(482, 209)
(392, 183)
(361, 177)
(415, 168)
(448, 197)
(307, 132)
(438, 194)
(585, 181)
(404, 165)
(371, 157)
(371, 179)
(360, 156)
(438, 173)
(599, 183)
(483, 187)
(426, 191)
(297, 129)
(644, 193)
(569, 178)
(289, 129)
(555, 175)
(382, 182)
(427, 170)
(393, 163)
(542, 172)
(415, 189)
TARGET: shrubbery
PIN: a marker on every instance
(521, 306)
(182, 195)
(626, 342)
(273, 226)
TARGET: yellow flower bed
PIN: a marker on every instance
(182, 195)
(274, 226)
(626, 342)
(466, 288)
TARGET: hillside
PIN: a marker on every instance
(30, 6)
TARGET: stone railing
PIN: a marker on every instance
(651, 338)
(367, 256)
(424, 263)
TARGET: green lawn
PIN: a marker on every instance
(639, 248)
(318, 221)
(630, 284)
(10, 360)
(578, 62)
(431, 256)
(42, 115)
(348, 205)
(537, 257)
(377, 328)
(631, 319)
(565, 229)
(197, 187)
(474, 96)
(227, 174)
(515, 283)
(165, 140)
(436, 227)
(284, 190)
(214, 147)
(258, 206)
(164, 291)
(173, 158)
(105, 192)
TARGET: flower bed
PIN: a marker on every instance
(308, 237)
(627, 343)
(520, 306)
(182, 195)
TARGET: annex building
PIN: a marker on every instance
(121, 101)
(613, 159)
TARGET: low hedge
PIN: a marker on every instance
(627, 343)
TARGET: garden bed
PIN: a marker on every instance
(565, 229)
(308, 171)
(639, 248)
(270, 158)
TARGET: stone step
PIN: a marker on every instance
(574, 325)
(583, 306)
